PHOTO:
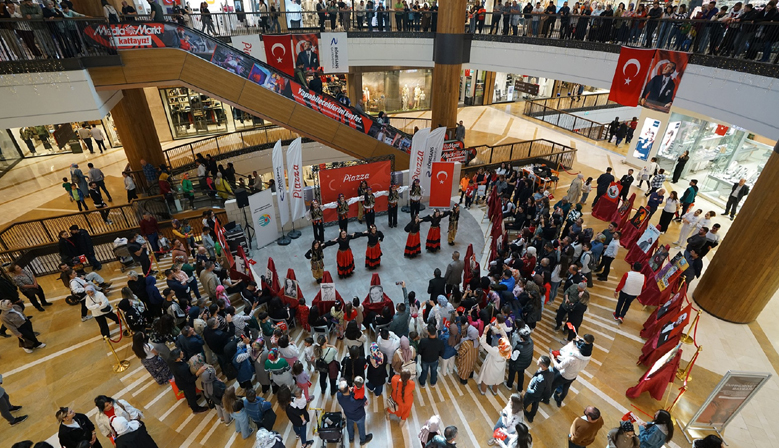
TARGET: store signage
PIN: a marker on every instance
(334, 53)
(277, 158)
(244, 63)
(346, 180)
(526, 87)
(295, 173)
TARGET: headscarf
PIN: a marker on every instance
(627, 426)
(504, 348)
(531, 251)
(208, 377)
(6, 305)
(376, 356)
(273, 354)
(454, 335)
(433, 425)
(164, 176)
(90, 287)
(220, 291)
(405, 349)
(122, 426)
(442, 302)
(265, 439)
(473, 335)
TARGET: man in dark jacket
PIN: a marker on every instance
(182, 291)
(626, 181)
(454, 272)
(185, 380)
(216, 340)
(190, 342)
(354, 410)
(521, 358)
(399, 324)
(688, 197)
(540, 388)
(613, 126)
(430, 349)
(437, 286)
(603, 182)
(737, 193)
(84, 245)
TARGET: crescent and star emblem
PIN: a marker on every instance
(625, 67)
(283, 51)
(438, 176)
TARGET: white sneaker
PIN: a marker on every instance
(28, 350)
(42, 345)
(86, 318)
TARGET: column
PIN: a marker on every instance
(742, 278)
(450, 51)
(135, 127)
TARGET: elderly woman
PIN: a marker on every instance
(98, 304)
(223, 188)
(108, 409)
(493, 370)
(14, 319)
(404, 357)
(467, 352)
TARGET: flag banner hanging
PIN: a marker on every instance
(434, 147)
(417, 154)
(334, 53)
(297, 204)
(278, 52)
(277, 158)
(663, 80)
(630, 75)
(441, 184)
(306, 50)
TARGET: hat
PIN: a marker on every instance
(273, 354)
(460, 309)
(504, 347)
(627, 426)
(122, 426)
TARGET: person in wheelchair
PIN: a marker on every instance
(92, 277)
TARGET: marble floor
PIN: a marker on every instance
(76, 365)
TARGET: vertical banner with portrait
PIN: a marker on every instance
(646, 138)
(651, 234)
(306, 51)
(663, 80)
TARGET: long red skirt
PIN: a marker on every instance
(413, 247)
(373, 256)
(345, 261)
(433, 242)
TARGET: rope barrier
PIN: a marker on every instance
(120, 331)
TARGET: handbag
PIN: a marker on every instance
(392, 405)
(409, 366)
(106, 310)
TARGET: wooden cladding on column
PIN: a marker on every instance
(446, 91)
(451, 17)
(171, 67)
(743, 277)
(135, 126)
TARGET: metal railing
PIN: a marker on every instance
(579, 102)
(409, 124)
(555, 155)
(36, 39)
(582, 126)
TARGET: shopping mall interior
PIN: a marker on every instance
(196, 114)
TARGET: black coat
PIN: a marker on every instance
(83, 242)
(436, 287)
(603, 182)
(139, 438)
(744, 191)
(70, 437)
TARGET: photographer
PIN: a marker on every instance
(567, 364)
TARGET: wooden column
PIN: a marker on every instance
(135, 126)
(743, 276)
(448, 57)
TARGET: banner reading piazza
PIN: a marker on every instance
(346, 180)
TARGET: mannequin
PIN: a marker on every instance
(404, 97)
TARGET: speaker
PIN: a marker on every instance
(242, 197)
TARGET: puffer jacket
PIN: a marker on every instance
(521, 356)
(571, 361)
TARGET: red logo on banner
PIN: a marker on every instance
(278, 52)
(441, 184)
(721, 129)
(629, 78)
(346, 180)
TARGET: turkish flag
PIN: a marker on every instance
(630, 75)
(279, 52)
(441, 184)
(721, 129)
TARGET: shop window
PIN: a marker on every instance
(191, 113)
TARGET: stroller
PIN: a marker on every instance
(123, 254)
(330, 427)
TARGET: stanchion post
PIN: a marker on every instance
(159, 275)
(127, 330)
(121, 364)
(687, 339)
(682, 373)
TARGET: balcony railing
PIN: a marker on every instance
(582, 126)
(555, 155)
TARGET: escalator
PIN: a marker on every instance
(167, 54)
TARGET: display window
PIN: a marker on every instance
(719, 155)
(191, 113)
(53, 139)
(397, 90)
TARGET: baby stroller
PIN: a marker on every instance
(123, 254)
(330, 427)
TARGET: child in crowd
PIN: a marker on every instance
(68, 188)
(469, 193)
(241, 418)
(186, 229)
(308, 353)
(302, 379)
(414, 338)
(302, 315)
(358, 391)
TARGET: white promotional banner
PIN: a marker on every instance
(297, 204)
(434, 147)
(249, 44)
(281, 185)
(334, 53)
(263, 218)
(417, 155)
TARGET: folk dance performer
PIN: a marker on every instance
(361, 191)
(412, 242)
(392, 206)
(317, 256)
(433, 243)
(345, 258)
(454, 219)
(368, 204)
(316, 215)
(373, 251)
(415, 197)
(341, 206)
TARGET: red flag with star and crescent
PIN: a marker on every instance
(441, 184)
(279, 53)
(630, 75)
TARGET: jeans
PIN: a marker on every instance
(360, 428)
(377, 390)
(433, 367)
(623, 304)
(535, 28)
(662, 36)
(5, 408)
(605, 262)
(301, 432)
(96, 265)
(560, 387)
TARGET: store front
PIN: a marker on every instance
(511, 87)
(720, 155)
(397, 90)
(54, 139)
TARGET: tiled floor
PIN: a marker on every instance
(75, 366)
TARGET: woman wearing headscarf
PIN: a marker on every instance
(467, 352)
(259, 355)
(451, 337)
(432, 427)
(150, 359)
(404, 357)
(98, 304)
(131, 434)
(279, 369)
(222, 187)
(14, 319)
(493, 370)
(376, 374)
(75, 428)
(181, 235)
(213, 391)
(575, 190)
(403, 395)
(109, 409)
(153, 293)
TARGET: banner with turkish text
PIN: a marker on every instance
(263, 217)
(434, 146)
(663, 80)
(279, 53)
(334, 53)
(441, 184)
(630, 75)
(331, 108)
(346, 180)
(417, 159)
(306, 50)
(277, 157)
(297, 205)
(249, 44)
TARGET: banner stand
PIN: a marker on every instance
(284, 240)
(248, 225)
(294, 234)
